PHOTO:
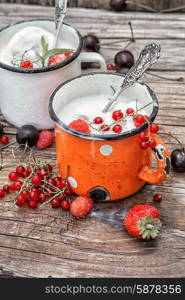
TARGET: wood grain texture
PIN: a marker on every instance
(50, 242)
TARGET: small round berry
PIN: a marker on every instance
(13, 176)
(152, 143)
(27, 64)
(62, 197)
(124, 59)
(60, 184)
(27, 134)
(98, 120)
(117, 128)
(26, 195)
(21, 200)
(91, 43)
(111, 67)
(130, 111)
(51, 181)
(43, 172)
(32, 204)
(6, 188)
(34, 195)
(143, 137)
(5, 139)
(146, 117)
(157, 198)
(68, 192)
(144, 145)
(118, 5)
(139, 119)
(57, 178)
(55, 203)
(105, 127)
(2, 193)
(117, 115)
(19, 170)
(65, 205)
(36, 180)
(42, 198)
(17, 185)
(154, 128)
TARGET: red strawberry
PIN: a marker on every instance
(81, 206)
(45, 139)
(142, 221)
(80, 125)
(58, 58)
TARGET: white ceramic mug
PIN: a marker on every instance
(25, 93)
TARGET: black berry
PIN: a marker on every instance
(178, 160)
(91, 43)
(118, 5)
(27, 134)
(124, 59)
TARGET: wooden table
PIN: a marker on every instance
(50, 242)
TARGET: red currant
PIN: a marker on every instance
(42, 198)
(26, 64)
(17, 185)
(105, 127)
(55, 203)
(60, 184)
(130, 111)
(98, 120)
(13, 176)
(21, 200)
(19, 170)
(68, 192)
(51, 181)
(5, 140)
(144, 145)
(62, 197)
(2, 193)
(157, 198)
(143, 137)
(65, 205)
(146, 117)
(111, 67)
(34, 195)
(117, 115)
(32, 204)
(154, 128)
(43, 172)
(26, 195)
(139, 119)
(152, 143)
(117, 128)
(57, 178)
(6, 188)
(36, 180)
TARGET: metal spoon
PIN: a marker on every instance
(148, 56)
(60, 12)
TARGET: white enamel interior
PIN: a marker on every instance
(97, 86)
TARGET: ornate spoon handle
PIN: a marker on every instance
(60, 12)
(148, 56)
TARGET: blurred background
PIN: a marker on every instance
(136, 5)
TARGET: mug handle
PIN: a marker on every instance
(93, 57)
(162, 155)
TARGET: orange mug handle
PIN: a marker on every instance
(162, 155)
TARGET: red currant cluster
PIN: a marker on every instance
(145, 137)
(37, 186)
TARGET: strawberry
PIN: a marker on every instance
(45, 139)
(81, 206)
(142, 221)
(80, 125)
(58, 58)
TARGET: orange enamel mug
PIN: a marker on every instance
(107, 167)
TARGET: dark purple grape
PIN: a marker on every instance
(91, 43)
(124, 59)
(178, 160)
(27, 134)
(118, 5)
